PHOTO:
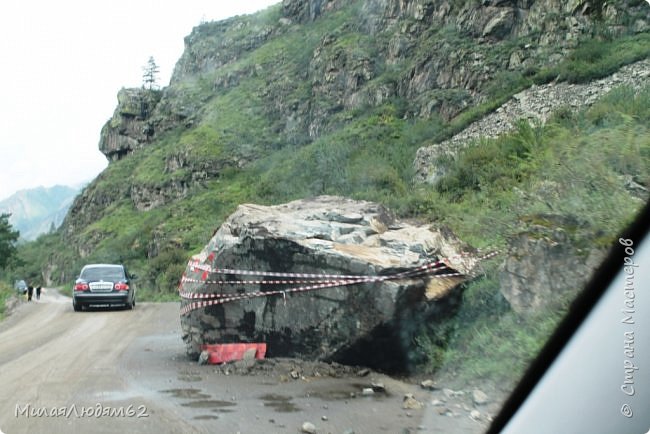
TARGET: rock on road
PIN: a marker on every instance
(60, 369)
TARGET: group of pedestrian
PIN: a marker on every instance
(30, 292)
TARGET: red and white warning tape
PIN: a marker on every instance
(322, 278)
(195, 264)
(309, 282)
(227, 298)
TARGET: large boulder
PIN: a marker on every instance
(372, 322)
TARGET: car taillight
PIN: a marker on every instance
(121, 287)
(81, 287)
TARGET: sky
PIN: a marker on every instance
(63, 63)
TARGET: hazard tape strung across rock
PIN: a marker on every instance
(420, 270)
(325, 284)
(339, 282)
(248, 295)
(194, 265)
(316, 282)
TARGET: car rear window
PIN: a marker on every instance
(102, 273)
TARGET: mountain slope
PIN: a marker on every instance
(36, 211)
(315, 96)
(337, 97)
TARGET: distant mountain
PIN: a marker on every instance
(34, 211)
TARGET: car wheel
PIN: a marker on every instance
(77, 307)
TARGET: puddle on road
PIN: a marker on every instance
(186, 393)
(189, 376)
(279, 403)
(199, 399)
(206, 417)
(209, 403)
(345, 391)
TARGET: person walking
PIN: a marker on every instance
(30, 292)
(38, 292)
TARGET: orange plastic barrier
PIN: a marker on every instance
(222, 353)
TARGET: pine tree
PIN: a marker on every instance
(8, 238)
(150, 74)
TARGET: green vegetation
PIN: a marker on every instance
(597, 57)
(572, 166)
(5, 292)
(274, 123)
(8, 239)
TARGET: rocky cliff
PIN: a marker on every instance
(315, 97)
(441, 56)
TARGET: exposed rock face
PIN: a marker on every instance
(543, 266)
(305, 10)
(129, 128)
(371, 323)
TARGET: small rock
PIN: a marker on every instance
(410, 403)
(294, 374)
(378, 387)
(428, 384)
(250, 354)
(367, 391)
(363, 372)
(204, 357)
(479, 397)
(325, 418)
(452, 393)
(444, 411)
(475, 415)
(437, 403)
(308, 428)
(349, 431)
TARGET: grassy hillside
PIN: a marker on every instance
(268, 126)
(5, 293)
(583, 157)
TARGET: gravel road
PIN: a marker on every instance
(115, 371)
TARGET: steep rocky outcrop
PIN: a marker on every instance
(130, 127)
(543, 267)
(303, 11)
(370, 323)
